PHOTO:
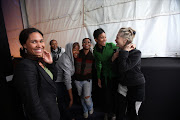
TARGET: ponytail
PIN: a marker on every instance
(23, 52)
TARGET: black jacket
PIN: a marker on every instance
(37, 91)
(128, 67)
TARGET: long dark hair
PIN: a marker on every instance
(23, 36)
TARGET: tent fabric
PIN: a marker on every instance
(13, 23)
(155, 21)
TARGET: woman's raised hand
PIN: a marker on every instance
(47, 57)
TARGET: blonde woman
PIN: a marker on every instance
(131, 87)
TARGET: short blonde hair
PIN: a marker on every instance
(127, 33)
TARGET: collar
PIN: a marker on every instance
(99, 49)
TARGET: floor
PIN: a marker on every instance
(78, 113)
(8, 107)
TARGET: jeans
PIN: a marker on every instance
(84, 89)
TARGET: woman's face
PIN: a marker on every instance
(120, 41)
(54, 44)
(75, 51)
(35, 44)
(86, 44)
(101, 41)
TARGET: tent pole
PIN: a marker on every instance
(24, 14)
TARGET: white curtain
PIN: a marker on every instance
(157, 22)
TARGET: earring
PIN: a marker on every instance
(25, 50)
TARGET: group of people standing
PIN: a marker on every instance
(45, 81)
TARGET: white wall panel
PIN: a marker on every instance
(156, 22)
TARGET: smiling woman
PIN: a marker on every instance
(126, 62)
(106, 78)
(35, 44)
(34, 78)
(32, 41)
(65, 67)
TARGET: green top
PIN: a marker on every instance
(103, 60)
(48, 72)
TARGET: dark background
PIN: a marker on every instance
(7, 109)
(162, 89)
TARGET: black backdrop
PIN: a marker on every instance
(7, 109)
(162, 89)
(6, 61)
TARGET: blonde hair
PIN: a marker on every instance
(127, 33)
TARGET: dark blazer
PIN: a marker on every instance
(128, 67)
(37, 91)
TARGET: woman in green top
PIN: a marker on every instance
(103, 53)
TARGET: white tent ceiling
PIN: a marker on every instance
(156, 22)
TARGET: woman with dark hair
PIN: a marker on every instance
(34, 78)
(103, 53)
(66, 69)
